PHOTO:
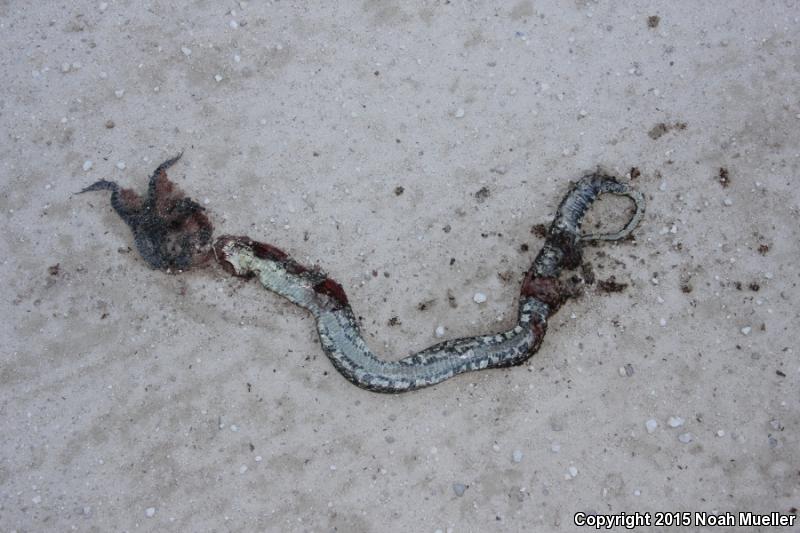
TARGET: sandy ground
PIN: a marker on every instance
(135, 400)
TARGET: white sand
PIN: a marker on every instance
(133, 400)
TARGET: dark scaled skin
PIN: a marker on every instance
(171, 231)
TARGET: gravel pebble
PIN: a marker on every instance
(460, 112)
(685, 438)
(675, 421)
(150, 512)
(186, 51)
(746, 330)
(572, 471)
(651, 425)
(87, 165)
(439, 331)
(121, 165)
(459, 489)
(516, 456)
(119, 93)
(479, 297)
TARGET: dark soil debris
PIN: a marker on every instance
(662, 128)
(763, 249)
(427, 304)
(610, 285)
(482, 194)
(394, 321)
(54, 270)
(635, 173)
(653, 20)
(723, 177)
(587, 273)
(451, 299)
(540, 230)
(399, 190)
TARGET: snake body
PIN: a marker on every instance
(541, 295)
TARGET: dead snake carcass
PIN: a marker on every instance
(172, 233)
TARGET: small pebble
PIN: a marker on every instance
(460, 112)
(685, 438)
(233, 24)
(119, 93)
(150, 512)
(259, 458)
(65, 67)
(243, 469)
(479, 297)
(218, 78)
(572, 471)
(651, 425)
(622, 371)
(103, 6)
(110, 124)
(555, 447)
(663, 186)
(121, 165)
(87, 165)
(459, 489)
(439, 331)
(728, 202)
(746, 330)
(516, 456)
(37, 499)
(720, 433)
(186, 51)
(495, 447)
(675, 421)
(663, 322)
